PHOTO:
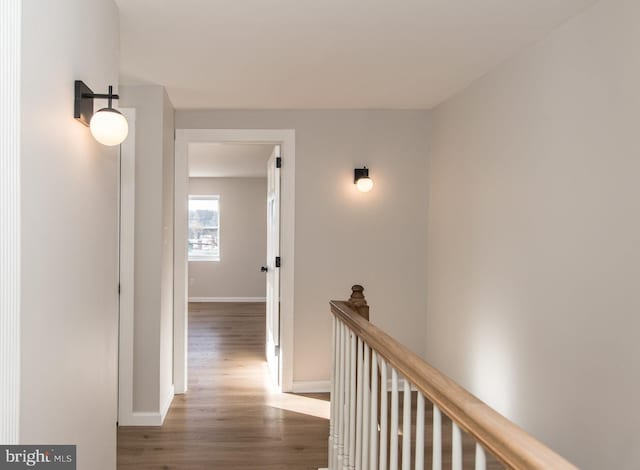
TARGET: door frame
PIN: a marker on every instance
(272, 331)
(285, 138)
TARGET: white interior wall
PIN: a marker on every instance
(344, 237)
(147, 102)
(533, 238)
(243, 241)
(69, 233)
(153, 317)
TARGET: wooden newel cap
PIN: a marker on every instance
(358, 302)
(357, 296)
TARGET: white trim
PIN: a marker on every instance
(10, 31)
(180, 263)
(126, 266)
(166, 404)
(227, 299)
(318, 386)
(286, 138)
(143, 418)
(150, 418)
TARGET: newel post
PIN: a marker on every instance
(358, 302)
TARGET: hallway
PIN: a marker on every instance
(230, 417)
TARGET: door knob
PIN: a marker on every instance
(264, 269)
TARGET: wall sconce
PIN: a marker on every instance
(361, 179)
(108, 126)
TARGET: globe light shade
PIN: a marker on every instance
(109, 127)
(364, 185)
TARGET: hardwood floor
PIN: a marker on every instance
(230, 418)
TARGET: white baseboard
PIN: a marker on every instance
(143, 418)
(227, 299)
(150, 418)
(318, 386)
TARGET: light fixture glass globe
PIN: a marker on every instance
(109, 127)
(364, 185)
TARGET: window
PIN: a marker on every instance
(204, 228)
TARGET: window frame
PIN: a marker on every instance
(204, 258)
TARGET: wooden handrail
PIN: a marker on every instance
(505, 440)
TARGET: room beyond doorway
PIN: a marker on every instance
(227, 221)
(189, 142)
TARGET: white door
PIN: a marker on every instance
(272, 266)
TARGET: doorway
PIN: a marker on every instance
(279, 270)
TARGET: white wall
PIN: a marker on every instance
(534, 263)
(243, 237)
(153, 317)
(344, 237)
(69, 233)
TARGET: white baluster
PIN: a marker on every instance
(359, 388)
(393, 450)
(352, 404)
(437, 438)
(365, 407)
(406, 426)
(383, 414)
(420, 433)
(481, 458)
(347, 398)
(456, 447)
(373, 422)
(340, 402)
(332, 400)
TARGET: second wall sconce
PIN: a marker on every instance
(361, 179)
(108, 126)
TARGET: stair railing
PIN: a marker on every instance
(370, 430)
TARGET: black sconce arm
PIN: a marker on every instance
(83, 104)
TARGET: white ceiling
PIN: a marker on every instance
(323, 54)
(214, 160)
